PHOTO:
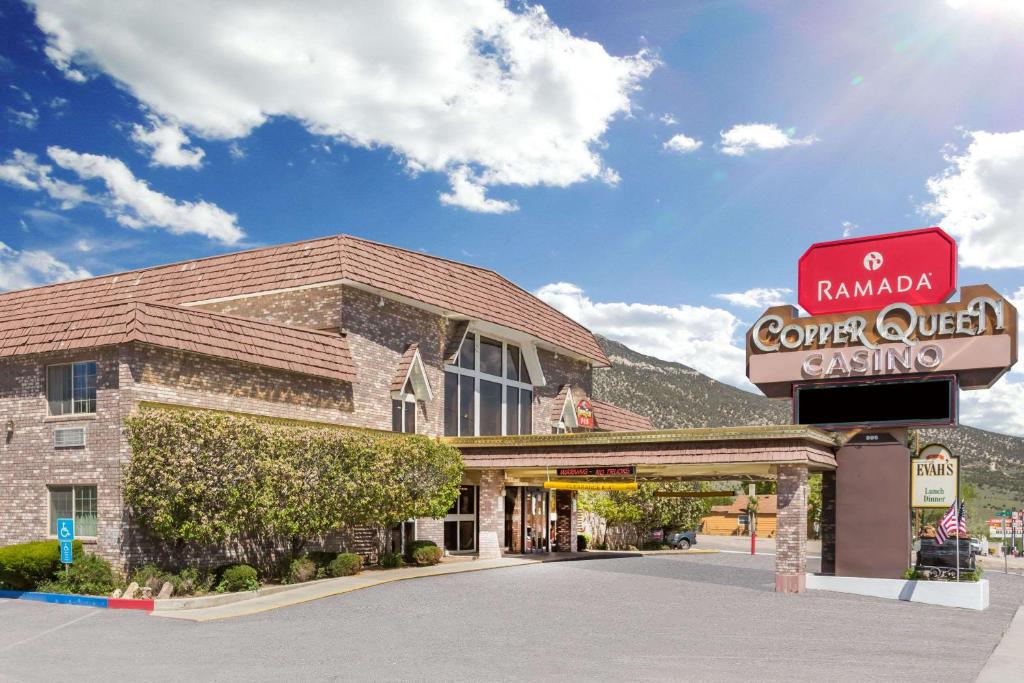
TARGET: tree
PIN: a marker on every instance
(630, 515)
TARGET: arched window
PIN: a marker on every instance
(487, 389)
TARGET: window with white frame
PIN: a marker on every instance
(487, 390)
(403, 410)
(77, 502)
(71, 388)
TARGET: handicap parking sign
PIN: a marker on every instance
(65, 529)
(66, 553)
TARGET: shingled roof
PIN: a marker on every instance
(455, 288)
(612, 418)
(212, 334)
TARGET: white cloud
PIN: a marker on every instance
(744, 137)
(467, 193)
(703, 338)
(758, 297)
(132, 203)
(999, 409)
(26, 119)
(446, 84)
(682, 144)
(979, 199)
(236, 151)
(167, 144)
(127, 199)
(23, 170)
(30, 268)
(849, 228)
(668, 119)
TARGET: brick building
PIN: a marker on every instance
(345, 331)
(336, 330)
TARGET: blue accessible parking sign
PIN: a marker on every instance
(66, 534)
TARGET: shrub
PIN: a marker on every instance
(582, 541)
(601, 546)
(390, 560)
(346, 564)
(24, 566)
(193, 581)
(239, 577)
(88, 575)
(301, 570)
(411, 548)
(154, 577)
(427, 555)
(653, 545)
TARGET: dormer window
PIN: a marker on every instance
(487, 389)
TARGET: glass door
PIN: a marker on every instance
(535, 521)
(460, 522)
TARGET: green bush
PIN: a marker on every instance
(582, 541)
(653, 545)
(427, 555)
(193, 581)
(411, 548)
(25, 565)
(88, 575)
(346, 564)
(239, 577)
(301, 570)
(601, 546)
(390, 560)
(153, 576)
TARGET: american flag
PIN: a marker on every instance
(954, 521)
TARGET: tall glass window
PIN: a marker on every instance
(403, 411)
(71, 388)
(487, 390)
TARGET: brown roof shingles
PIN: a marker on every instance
(454, 287)
(213, 334)
(611, 418)
(404, 363)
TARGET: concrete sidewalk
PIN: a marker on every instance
(284, 596)
(1007, 661)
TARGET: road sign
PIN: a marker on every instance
(917, 267)
(66, 552)
(65, 529)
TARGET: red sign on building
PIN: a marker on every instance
(584, 414)
(917, 267)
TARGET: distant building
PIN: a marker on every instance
(733, 520)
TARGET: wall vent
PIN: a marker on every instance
(69, 437)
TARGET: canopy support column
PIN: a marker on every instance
(791, 533)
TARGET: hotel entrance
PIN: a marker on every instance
(460, 522)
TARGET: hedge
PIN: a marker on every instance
(88, 575)
(207, 477)
(427, 555)
(26, 565)
(239, 577)
(346, 564)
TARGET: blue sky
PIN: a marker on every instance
(536, 146)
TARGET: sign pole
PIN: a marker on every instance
(1005, 566)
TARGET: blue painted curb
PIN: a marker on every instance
(57, 598)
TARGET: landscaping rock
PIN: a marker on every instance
(147, 593)
(116, 593)
(131, 591)
(165, 591)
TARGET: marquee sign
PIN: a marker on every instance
(975, 339)
(934, 478)
(917, 268)
(618, 471)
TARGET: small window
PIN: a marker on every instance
(71, 388)
(467, 352)
(77, 502)
(403, 414)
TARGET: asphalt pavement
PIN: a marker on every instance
(681, 617)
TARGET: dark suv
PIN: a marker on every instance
(682, 539)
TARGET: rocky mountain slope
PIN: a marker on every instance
(676, 396)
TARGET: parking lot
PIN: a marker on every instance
(707, 617)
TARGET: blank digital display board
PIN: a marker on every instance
(906, 402)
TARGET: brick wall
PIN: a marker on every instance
(558, 370)
(565, 525)
(29, 463)
(491, 530)
(791, 534)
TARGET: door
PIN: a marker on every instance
(460, 522)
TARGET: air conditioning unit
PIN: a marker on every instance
(69, 437)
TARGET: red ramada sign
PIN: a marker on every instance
(917, 267)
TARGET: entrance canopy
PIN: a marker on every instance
(725, 453)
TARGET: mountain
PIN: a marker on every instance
(676, 396)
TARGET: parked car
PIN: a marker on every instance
(682, 540)
(975, 546)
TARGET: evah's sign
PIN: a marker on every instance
(934, 478)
